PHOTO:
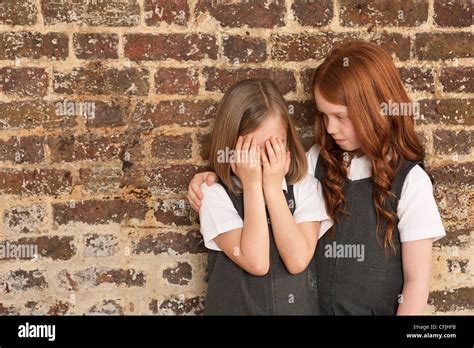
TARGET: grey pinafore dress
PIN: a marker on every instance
(345, 285)
(233, 291)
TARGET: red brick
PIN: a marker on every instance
(178, 306)
(172, 211)
(13, 12)
(182, 47)
(111, 113)
(95, 276)
(299, 47)
(24, 82)
(255, 14)
(93, 13)
(169, 147)
(100, 180)
(177, 81)
(69, 148)
(169, 242)
(50, 182)
(22, 150)
(418, 79)
(171, 179)
(457, 13)
(447, 111)
(98, 211)
(33, 114)
(179, 275)
(181, 112)
(220, 80)
(449, 142)
(452, 300)
(95, 45)
(53, 247)
(100, 81)
(457, 80)
(170, 12)
(240, 49)
(33, 45)
(313, 13)
(439, 46)
(302, 112)
(383, 13)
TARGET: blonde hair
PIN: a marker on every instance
(242, 110)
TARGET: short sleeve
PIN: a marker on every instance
(217, 214)
(310, 204)
(417, 212)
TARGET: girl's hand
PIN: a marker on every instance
(194, 195)
(276, 162)
(246, 162)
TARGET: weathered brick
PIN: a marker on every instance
(169, 147)
(457, 13)
(98, 211)
(50, 182)
(14, 12)
(177, 81)
(255, 14)
(107, 307)
(95, 276)
(302, 112)
(180, 275)
(22, 150)
(458, 80)
(383, 13)
(204, 142)
(452, 300)
(240, 49)
(313, 13)
(457, 174)
(100, 180)
(447, 111)
(100, 81)
(108, 113)
(171, 179)
(59, 308)
(6, 309)
(182, 47)
(70, 148)
(449, 142)
(439, 46)
(181, 112)
(95, 45)
(418, 79)
(455, 237)
(24, 219)
(94, 13)
(33, 45)
(33, 114)
(54, 247)
(170, 12)
(24, 82)
(100, 245)
(219, 80)
(172, 211)
(178, 306)
(172, 243)
(299, 47)
(20, 281)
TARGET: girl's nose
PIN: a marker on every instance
(331, 126)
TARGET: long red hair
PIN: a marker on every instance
(362, 76)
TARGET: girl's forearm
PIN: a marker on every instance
(255, 241)
(292, 245)
(414, 298)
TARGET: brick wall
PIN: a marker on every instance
(100, 191)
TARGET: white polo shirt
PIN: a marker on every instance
(218, 215)
(417, 211)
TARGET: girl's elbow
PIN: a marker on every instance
(259, 269)
(297, 266)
